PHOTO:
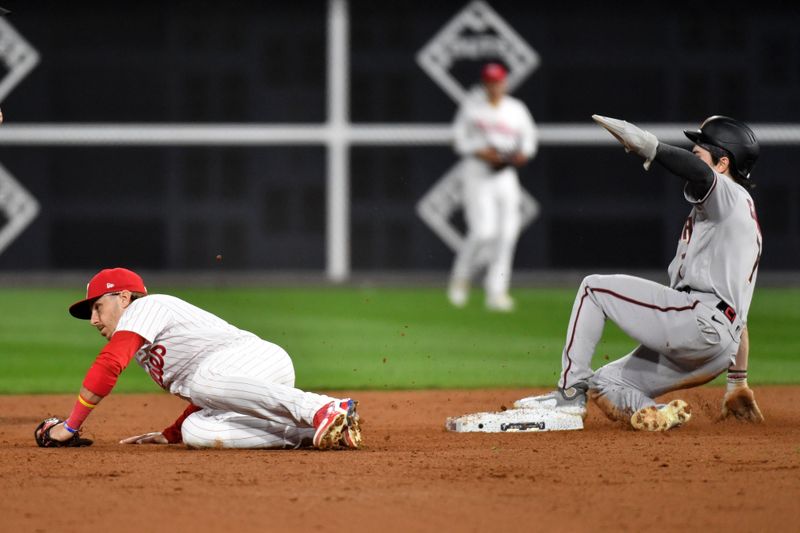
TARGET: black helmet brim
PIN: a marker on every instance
(693, 135)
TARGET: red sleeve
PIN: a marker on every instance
(173, 432)
(113, 358)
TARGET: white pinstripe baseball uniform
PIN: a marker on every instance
(244, 384)
(491, 197)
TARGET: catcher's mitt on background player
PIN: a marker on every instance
(43, 439)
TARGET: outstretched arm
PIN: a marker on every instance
(100, 379)
(680, 162)
(688, 166)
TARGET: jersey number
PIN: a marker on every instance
(155, 363)
(688, 227)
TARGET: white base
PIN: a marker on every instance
(515, 421)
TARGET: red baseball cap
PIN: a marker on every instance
(104, 282)
(493, 72)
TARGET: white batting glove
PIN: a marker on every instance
(633, 138)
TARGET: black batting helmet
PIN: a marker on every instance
(732, 136)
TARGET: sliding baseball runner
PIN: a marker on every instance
(240, 388)
(690, 331)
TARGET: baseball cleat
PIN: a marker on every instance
(661, 418)
(330, 421)
(458, 293)
(571, 401)
(502, 303)
(351, 434)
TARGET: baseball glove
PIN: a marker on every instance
(741, 404)
(43, 439)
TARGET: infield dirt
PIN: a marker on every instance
(412, 475)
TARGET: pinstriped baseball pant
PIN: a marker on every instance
(492, 210)
(249, 400)
(685, 341)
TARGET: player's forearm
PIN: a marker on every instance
(743, 354)
(684, 164)
(102, 376)
(89, 396)
(84, 405)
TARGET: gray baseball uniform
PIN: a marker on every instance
(689, 332)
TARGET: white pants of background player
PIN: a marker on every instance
(492, 209)
(249, 401)
(685, 341)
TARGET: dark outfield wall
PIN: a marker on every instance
(264, 208)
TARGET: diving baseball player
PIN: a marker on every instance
(240, 388)
(495, 134)
(690, 331)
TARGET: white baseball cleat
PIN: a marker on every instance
(502, 303)
(571, 401)
(458, 293)
(663, 417)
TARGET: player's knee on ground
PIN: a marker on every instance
(617, 401)
(611, 410)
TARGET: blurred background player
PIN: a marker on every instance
(494, 134)
(240, 387)
(694, 329)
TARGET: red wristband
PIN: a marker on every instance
(79, 413)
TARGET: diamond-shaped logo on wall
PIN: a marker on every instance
(17, 55)
(476, 33)
(18, 207)
(442, 200)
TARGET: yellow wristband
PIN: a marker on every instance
(85, 403)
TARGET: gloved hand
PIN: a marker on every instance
(633, 138)
(493, 157)
(44, 440)
(739, 400)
